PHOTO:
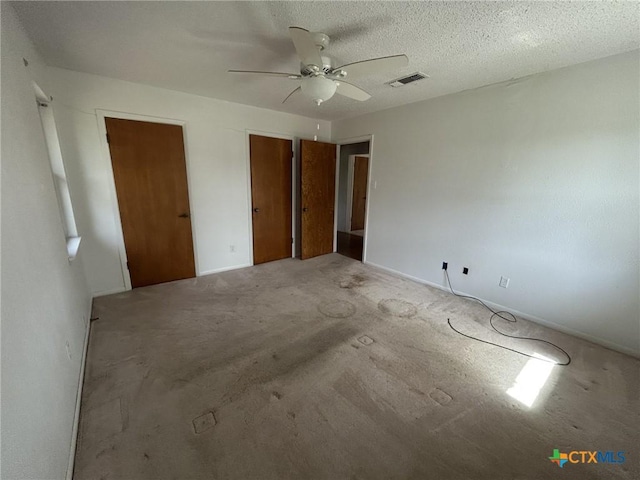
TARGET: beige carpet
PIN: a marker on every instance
(330, 369)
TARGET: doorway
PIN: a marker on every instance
(271, 194)
(359, 193)
(150, 177)
(352, 198)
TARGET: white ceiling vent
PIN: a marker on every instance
(414, 77)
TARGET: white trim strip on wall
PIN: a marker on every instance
(76, 418)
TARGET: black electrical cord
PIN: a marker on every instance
(501, 314)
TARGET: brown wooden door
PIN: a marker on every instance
(151, 183)
(359, 201)
(271, 197)
(318, 185)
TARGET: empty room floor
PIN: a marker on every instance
(329, 369)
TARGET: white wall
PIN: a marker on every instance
(216, 149)
(536, 179)
(45, 303)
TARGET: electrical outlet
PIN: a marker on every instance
(465, 270)
(504, 282)
(232, 248)
(444, 265)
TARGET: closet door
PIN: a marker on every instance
(271, 160)
(318, 183)
(151, 184)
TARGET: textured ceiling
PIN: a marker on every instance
(188, 46)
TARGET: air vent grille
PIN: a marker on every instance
(414, 77)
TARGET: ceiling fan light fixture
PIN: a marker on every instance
(319, 79)
(319, 88)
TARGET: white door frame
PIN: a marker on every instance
(113, 196)
(293, 184)
(349, 141)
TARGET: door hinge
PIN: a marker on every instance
(108, 139)
(291, 240)
(127, 265)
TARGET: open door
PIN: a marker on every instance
(318, 192)
(271, 197)
(359, 202)
(151, 184)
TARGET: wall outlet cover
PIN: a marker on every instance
(504, 282)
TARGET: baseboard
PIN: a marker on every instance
(524, 315)
(104, 293)
(76, 417)
(224, 269)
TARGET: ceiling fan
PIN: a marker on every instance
(320, 80)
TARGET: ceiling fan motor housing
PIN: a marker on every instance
(306, 70)
(321, 41)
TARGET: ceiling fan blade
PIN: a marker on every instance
(351, 91)
(375, 65)
(289, 96)
(293, 76)
(305, 46)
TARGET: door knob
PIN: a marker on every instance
(305, 209)
(184, 215)
(256, 210)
